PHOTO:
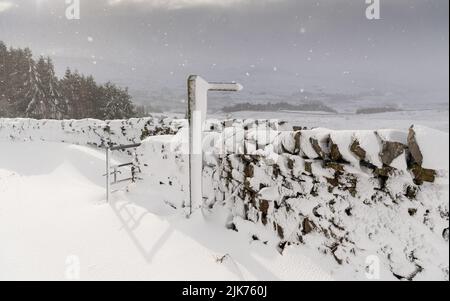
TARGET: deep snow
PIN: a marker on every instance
(52, 214)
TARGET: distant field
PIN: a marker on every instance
(437, 119)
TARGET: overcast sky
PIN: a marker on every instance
(268, 45)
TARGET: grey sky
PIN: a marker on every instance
(271, 46)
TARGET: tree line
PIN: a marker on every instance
(29, 88)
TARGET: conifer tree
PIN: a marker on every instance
(117, 103)
(3, 80)
(35, 95)
(71, 91)
(50, 86)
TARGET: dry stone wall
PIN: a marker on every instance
(92, 132)
(348, 194)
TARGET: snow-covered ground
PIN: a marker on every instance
(53, 217)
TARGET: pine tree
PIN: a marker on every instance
(14, 72)
(55, 108)
(3, 80)
(90, 95)
(35, 95)
(21, 81)
(117, 103)
(66, 92)
(71, 93)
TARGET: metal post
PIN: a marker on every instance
(108, 182)
(197, 108)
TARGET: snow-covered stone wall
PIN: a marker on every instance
(92, 132)
(345, 195)
(348, 194)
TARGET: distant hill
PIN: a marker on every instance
(377, 110)
(281, 106)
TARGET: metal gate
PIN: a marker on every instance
(114, 170)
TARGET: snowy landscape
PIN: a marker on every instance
(51, 177)
(214, 140)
